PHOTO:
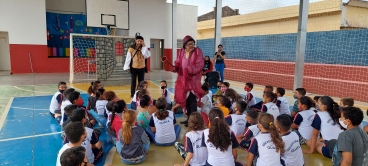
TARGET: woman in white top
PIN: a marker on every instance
(326, 121)
(267, 147)
(303, 119)
(220, 141)
(193, 152)
(162, 130)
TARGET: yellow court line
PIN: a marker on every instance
(5, 113)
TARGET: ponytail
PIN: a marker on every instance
(128, 120)
(333, 108)
(219, 132)
(267, 122)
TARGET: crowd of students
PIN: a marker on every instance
(268, 130)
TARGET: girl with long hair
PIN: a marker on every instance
(113, 127)
(268, 105)
(193, 152)
(163, 130)
(327, 123)
(144, 111)
(233, 97)
(303, 119)
(267, 147)
(133, 141)
(220, 141)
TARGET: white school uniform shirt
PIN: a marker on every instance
(251, 132)
(167, 97)
(165, 132)
(215, 156)
(293, 155)
(65, 147)
(284, 105)
(210, 94)
(87, 144)
(193, 144)
(322, 121)
(63, 105)
(263, 146)
(54, 105)
(252, 98)
(100, 106)
(236, 122)
(206, 100)
(304, 119)
(271, 108)
(134, 99)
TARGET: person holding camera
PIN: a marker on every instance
(219, 59)
(135, 62)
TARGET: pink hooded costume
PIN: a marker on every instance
(189, 71)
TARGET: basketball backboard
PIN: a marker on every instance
(108, 13)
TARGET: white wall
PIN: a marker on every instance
(24, 20)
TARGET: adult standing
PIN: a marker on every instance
(219, 59)
(189, 65)
(135, 61)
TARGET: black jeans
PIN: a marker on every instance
(134, 74)
(191, 104)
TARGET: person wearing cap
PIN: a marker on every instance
(135, 61)
(189, 65)
(219, 59)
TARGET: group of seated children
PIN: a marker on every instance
(268, 130)
(104, 107)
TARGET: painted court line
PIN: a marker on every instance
(5, 113)
(29, 108)
(30, 90)
(110, 155)
(31, 136)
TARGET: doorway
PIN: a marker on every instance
(157, 52)
(4, 52)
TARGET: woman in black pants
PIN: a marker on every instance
(135, 62)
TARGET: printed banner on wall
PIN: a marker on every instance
(59, 27)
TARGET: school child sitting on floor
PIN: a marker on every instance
(166, 94)
(118, 108)
(162, 130)
(133, 142)
(56, 100)
(142, 85)
(284, 104)
(194, 154)
(91, 141)
(95, 86)
(258, 106)
(221, 103)
(326, 122)
(237, 120)
(220, 141)
(144, 111)
(268, 105)
(251, 130)
(293, 155)
(303, 119)
(218, 92)
(267, 147)
(64, 103)
(233, 97)
(299, 92)
(249, 99)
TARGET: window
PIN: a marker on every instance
(119, 49)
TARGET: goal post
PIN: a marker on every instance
(98, 57)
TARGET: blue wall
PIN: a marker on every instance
(346, 47)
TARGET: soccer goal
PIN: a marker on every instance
(98, 57)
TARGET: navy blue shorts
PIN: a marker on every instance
(326, 150)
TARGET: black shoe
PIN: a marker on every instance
(184, 122)
(186, 125)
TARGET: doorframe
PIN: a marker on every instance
(161, 67)
(7, 40)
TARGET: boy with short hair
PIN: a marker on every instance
(73, 98)
(293, 153)
(237, 121)
(76, 134)
(347, 102)
(56, 100)
(299, 92)
(283, 102)
(258, 106)
(64, 103)
(91, 142)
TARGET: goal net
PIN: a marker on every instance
(260, 39)
(98, 57)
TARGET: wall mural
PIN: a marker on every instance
(59, 27)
